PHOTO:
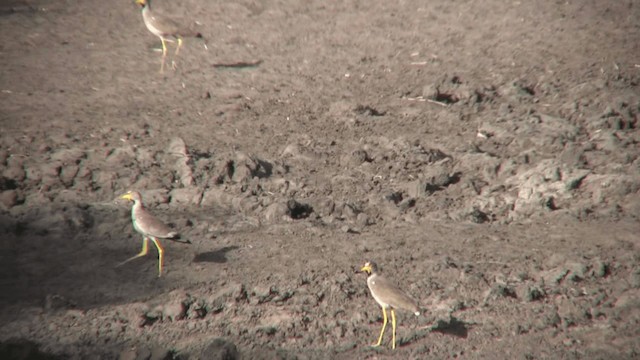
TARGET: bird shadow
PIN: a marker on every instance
(216, 256)
(453, 327)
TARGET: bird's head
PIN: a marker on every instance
(142, 3)
(370, 267)
(132, 196)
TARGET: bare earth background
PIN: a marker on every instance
(484, 153)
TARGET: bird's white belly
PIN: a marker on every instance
(136, 227)
(152, 27)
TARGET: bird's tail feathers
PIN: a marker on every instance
(176, 237)
(173, 235)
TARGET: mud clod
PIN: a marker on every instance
(489, 165)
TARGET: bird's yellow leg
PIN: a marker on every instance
(393, 326)
(178, 48)
(164, 53)
(164, 47)
(143, 252)
(173, 62)
(384, 325)
(160, 255)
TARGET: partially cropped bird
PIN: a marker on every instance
(388, 296)
(150, 227)
(166, 28)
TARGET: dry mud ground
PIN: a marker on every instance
(485, 154)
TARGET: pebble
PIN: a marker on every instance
(9, 198)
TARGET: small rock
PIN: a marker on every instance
(275, 212)
(356, 158)
(229, 294)
(121, 157)
(568, 342)
(216, 196)
(325, 207)
(297, 210)
(573, 156)
(15, 172)
(33, 175)
(128, 354)
(530, 293)
(348, 211)
(438, 176)
(394, 197)
(430, 91)
(554, 276)
(186, 196)
(185, 172)
(575, 179)
(174, 310)
(600, 268)
(68, 174)
(178, 147)
(68, 156)
(577, 271)
(245, 205)
(364, 220)
(552, 318)
(407, 203)
(219, 349)
(477, 216)
(348, 229)
(8, 199)
(262, 293)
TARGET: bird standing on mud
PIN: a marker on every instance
(388, 296)
(150, 227)
(165, 28)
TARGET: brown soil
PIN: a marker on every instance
(484, 153)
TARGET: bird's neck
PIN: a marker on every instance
(137, 205)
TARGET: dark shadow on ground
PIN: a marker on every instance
(22, 349)
(453, 327)
(217, 256)
(69, 254)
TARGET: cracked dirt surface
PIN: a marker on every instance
(485, 154)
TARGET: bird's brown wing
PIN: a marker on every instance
(171, 27)
(391, 294)
(166, 25)
(152, 226)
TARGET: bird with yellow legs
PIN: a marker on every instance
(389, 296)
(150, 227)
(166, 28)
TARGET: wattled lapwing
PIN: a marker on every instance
(164, 27)
(388, 296)
(150, 227)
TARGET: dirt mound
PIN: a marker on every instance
(490, 164)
